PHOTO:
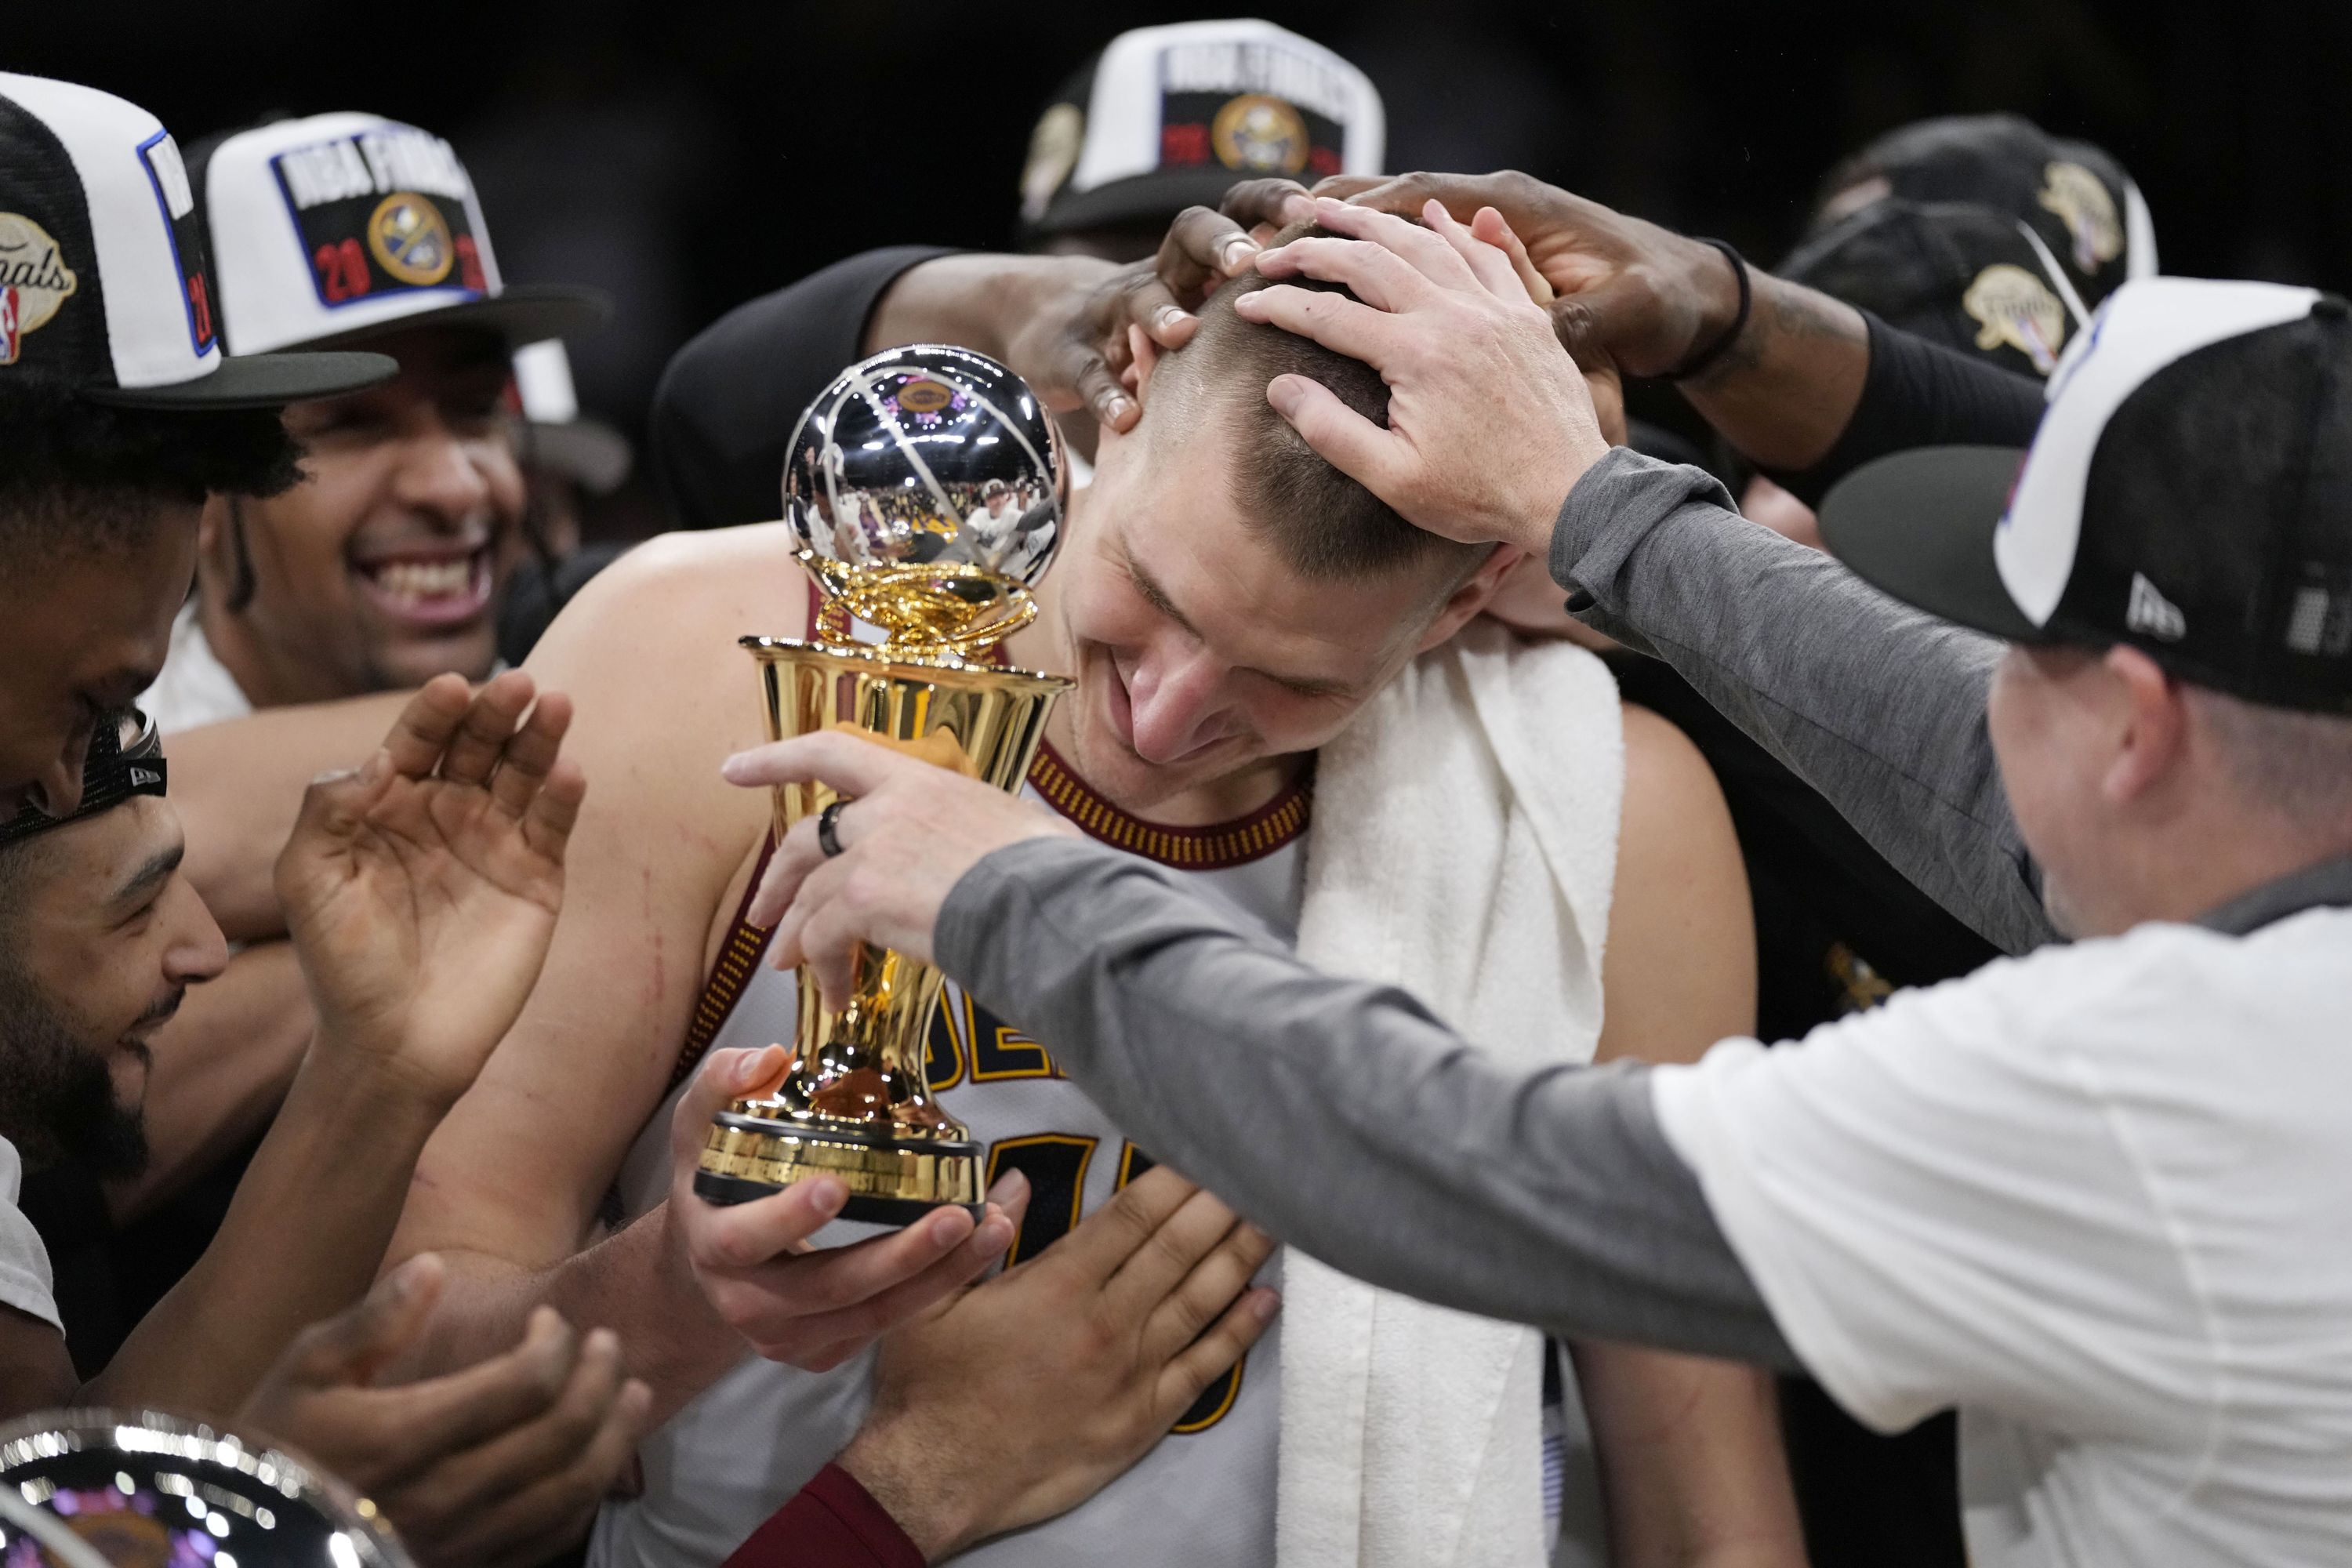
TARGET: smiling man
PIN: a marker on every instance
(1235, 614)
(387, 565)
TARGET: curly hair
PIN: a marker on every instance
(82, 475)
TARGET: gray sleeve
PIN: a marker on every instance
(1343, 1118)
(1879, 707)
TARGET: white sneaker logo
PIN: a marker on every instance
(2152, 614)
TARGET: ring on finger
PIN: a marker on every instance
(828, 824)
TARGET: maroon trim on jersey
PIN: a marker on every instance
(832, 1523)
(730, 976)
(1212, 848)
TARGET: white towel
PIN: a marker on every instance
(1464, 846)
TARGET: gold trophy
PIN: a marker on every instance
(925, 489)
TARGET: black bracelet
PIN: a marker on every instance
(1707, 357)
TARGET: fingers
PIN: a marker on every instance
(1221, 1273)
(1488, 263)
(525, 756)
(740, 1238)
(1344, 439)
(727, 1076)
(832, 940)
(1336, 321)
(1174, 1249)
(837, 758)
(1430, 254)
(555, 811)
(443, 1416)
(559, 1506)
(422, 731)
(547, 1443)
(798, 854)
(1213, 1354)
(483, 733)
(832, 1337)
(1491, 226)
(1271, 203)
(1203, 248)
(1115, 1233)
(1374, 274)
(354, 1346)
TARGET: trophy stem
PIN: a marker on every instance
(855, 1104)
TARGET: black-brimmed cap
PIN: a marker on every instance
(106, 284)
(333, 228)
(1964, 276)
(1171, 117)
(2076, 194)
(2189, 492)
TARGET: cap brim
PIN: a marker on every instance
(521, 315)
(1919, 525)
(586, 450)
(258, 380)
(1138, 198)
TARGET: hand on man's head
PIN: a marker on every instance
(1626, 291)
(1489, 423)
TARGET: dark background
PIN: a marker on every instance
(687, 156)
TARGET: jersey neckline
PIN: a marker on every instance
(1211, 849)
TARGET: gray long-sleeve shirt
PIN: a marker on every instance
(1879, 707)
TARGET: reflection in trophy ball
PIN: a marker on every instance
(927, 454)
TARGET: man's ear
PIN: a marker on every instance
(2156, 725)
(212, 524)
(1143, 358)
(1472, 596)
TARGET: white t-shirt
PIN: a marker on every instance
(26, 1282)
(2100, 1200)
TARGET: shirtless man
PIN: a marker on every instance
(1211, 666)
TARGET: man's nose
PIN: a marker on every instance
(1174, 704)
(202, 953)
(440, 473)
(58, 791)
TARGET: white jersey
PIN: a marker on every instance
(738, 1452)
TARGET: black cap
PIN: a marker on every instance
(2189, 492)
(1171, 117)
(106, 285)
(1963, 276)
(2077, 196)
(125, 760)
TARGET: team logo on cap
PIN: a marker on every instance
(34, 281)
(2080, 199)
(2012, 306)
(1053, 149)
(1264, 135)
(410, 239)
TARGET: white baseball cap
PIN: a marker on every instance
(1167, 118)
(106, 288)
(335, 225)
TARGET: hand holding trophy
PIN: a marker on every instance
(925, 489)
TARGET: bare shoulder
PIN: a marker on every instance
(1680, 967)
(682, 597)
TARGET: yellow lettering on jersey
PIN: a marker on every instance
(943, 1052)
(1000, 1052)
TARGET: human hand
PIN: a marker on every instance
(1642, 295)
(909, 835)
(422, 890)
(812, 1309)
(1489, 424)
(503, 1462)
(1024, 1397)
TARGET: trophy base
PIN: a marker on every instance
(891, 1180)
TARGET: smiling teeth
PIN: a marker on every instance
(419, 580)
